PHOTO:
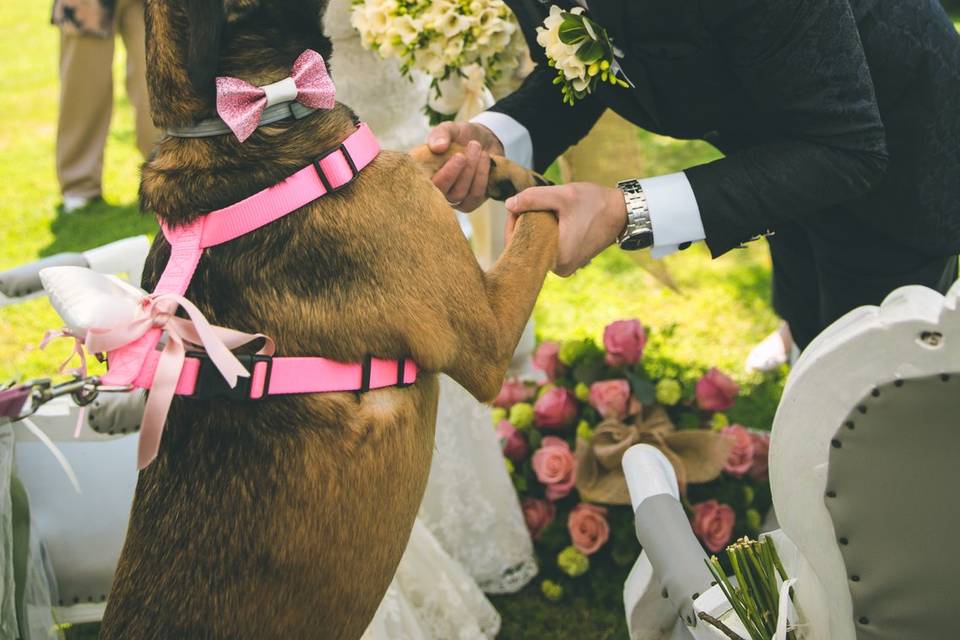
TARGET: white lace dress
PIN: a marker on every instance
(470, 533)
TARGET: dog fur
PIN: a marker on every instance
(286, 518)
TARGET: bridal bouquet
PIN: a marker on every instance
(563, 439)
(470, 48)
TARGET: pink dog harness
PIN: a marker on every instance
(135, 354)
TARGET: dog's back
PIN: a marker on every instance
(286, 517)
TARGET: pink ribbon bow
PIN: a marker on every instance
(79, 372)
(158, 310)
(240, 104)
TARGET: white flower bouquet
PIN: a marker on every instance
(470, 48)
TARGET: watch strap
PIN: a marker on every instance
(638, 233)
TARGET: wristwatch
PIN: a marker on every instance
(638, 233)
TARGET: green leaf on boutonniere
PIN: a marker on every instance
(591, 51)
(572, 31)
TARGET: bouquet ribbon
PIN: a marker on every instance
(157, 311)
(697, 456)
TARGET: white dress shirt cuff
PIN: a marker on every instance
(674, 213)
(517, 145)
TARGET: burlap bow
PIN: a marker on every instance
(697, 456)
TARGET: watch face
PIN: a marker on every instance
(640, 240)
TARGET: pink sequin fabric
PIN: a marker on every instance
(240, 104)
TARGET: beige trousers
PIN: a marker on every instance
(86, 100)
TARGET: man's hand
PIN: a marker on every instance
(591, 217)
(463, 179)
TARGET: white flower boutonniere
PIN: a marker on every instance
(581, 51)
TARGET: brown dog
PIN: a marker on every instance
(286, 518)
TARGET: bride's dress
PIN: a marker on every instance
(469, 536)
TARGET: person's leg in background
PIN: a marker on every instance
(131, 27)
(859, 266)
(795, 298)
(86, 102)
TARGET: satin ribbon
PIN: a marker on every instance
(80, 372)
(52, 335)
(783, 610)
(240, 104)
(157, 311)
(696, 455)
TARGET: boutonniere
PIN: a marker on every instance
(581, 51)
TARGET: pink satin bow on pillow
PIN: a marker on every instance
(157, 310)
(240, 104)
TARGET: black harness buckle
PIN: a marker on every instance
(401, 371)
(350, 163)
(211, 385)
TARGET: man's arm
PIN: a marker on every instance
(802, 62)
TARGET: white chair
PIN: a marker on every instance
(864, 476)
(80, 535)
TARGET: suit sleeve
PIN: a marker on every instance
(538, 106)
(800, 62)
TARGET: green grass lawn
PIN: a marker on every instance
(720, 310)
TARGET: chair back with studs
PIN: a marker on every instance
(865, 469)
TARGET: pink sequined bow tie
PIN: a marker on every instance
(240, 104)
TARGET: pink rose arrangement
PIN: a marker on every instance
(588, 528)
(538, 515)
(555, 409)
(761, 453)
(713, 524)
(741, 456)
(512, 442)
(555, 467)
(511, 392)
(586, 384)
(624, 341)
(547, 359)
(612, 399)
(716, 391)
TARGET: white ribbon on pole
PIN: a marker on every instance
(783, 610)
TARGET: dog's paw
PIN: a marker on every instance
(506, 178)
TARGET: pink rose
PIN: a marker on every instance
(741, 456)
(761, 456)
(512, 392)
(512, 442)
(547, 359)
(713, 524)
(555, 409)
(588, 527)
(716, 391)
(624, 341)
(612, 399)
(538, 514)
(555, 467)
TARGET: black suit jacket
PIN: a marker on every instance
(823, 108)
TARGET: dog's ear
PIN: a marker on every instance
(183, 51)
(205, 20)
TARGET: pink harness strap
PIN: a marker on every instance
(136, 363)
